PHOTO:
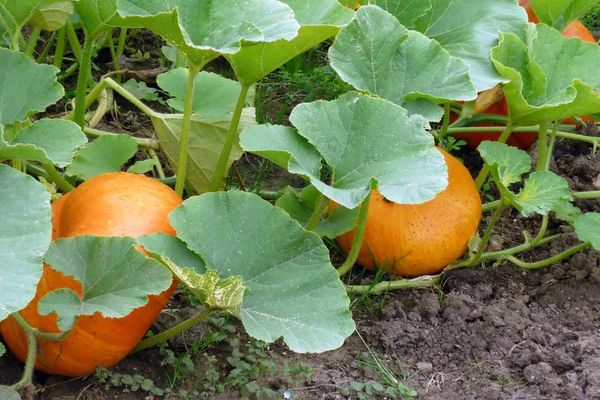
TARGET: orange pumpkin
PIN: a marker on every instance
(420, 239)
(113, 204)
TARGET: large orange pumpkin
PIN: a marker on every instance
(420, 239)
(114, 204)
(524, 140)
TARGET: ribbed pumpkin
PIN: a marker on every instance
(113, 204)
(413, 240)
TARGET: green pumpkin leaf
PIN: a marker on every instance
(587, 228)
(206, 139)
(46, 140)
(141, 91)
(205, 30)
(115, 277)
(362, 139)
(105, 154)
(319, 20)
(558, 13)
(566, 211)
(214, 95)
(551, 77)
(8, 393)
(541, 193)
(508, 163)
(300, 206)
(2, 350)
(469, 29)
(97, 15)
(377, 54)
(169, 247)
(408, 12)
(52, 15)
(142, 166)
(293, 291)
(24, 238)
(14, 14)
(31, 87)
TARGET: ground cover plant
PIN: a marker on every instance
(96, 242)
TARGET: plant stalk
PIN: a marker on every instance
(359, 234)
(31, 352)
(543, 154)
(59, 49)
(395, 284)
(82, 81)
(446, 122)
(57, 178)
(147, 143)
(174, 331)
(548, 261)
(483, 174)
(32, 40)
(317, 212)
(489, 229)
(232, 137)
(185, 130)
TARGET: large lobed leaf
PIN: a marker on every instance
(105, 154)
(204, 29)
(468, 29)
(318, 19)
(363, 140)
(587, 228)
(25, 86)
(115, 278)
(97, 15)
(558, 13)
(542, 192)
(53, 141)
(292, 292)
(24, 238)
(377, 54)
(551, 77)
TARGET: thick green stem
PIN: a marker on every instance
(157, 164)
(82, 81)
(591, 195)
(174, 331)
(147, 143)
(543, 228)
(487, 234)
(483, 174)
(185, 130)
(113, 51)
(73, 41)
(129, 97)
(359, 233)
(32, 40)
(548, 261)
(121, 42)
(232, 137)
(446, 122)
(59, 49)
(31, 352)
(527, 246)
(41, 59)
(542, 146)
(392, 285)
(551, 147)
(57, 178)
(317, 212)
(68, 72)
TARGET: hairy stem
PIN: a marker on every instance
(395, 284)
(147, 143)
(57, 178)
(174, 331)
(82, 80)
(543, 154)
(548, 261)
(232, 137)
(59, 49)
(359, 233)
(445, 123)
(185, 130)
(317, 212)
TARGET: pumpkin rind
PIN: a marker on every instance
(113, 204)
(421, 239)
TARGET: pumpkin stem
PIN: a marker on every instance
(174, 331)
(548, 261)
(31, 352)
(358, 237)
(483, 174)
(317, 212)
